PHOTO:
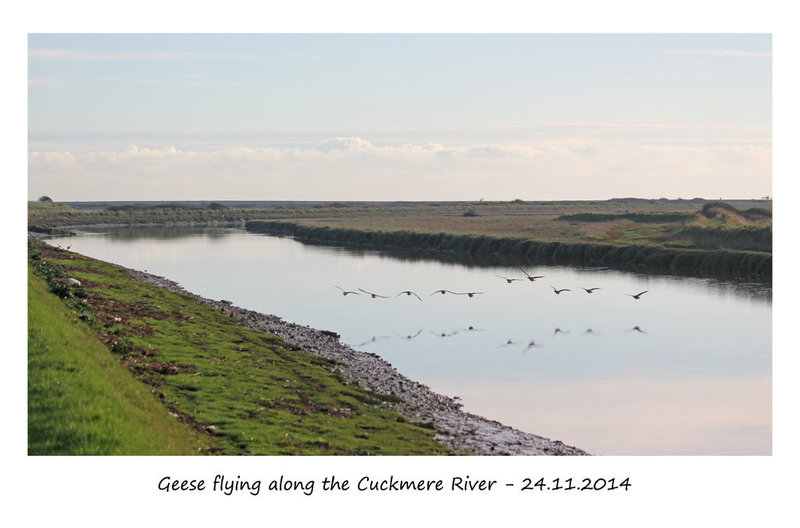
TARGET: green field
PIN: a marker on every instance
(117, 366)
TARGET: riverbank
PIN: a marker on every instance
(461, 431)
(719, 263)
(191, 350)
(709, 239)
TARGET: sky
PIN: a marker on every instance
(399, 116)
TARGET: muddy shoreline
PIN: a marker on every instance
(461, 431)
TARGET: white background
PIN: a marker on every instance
(665, 491)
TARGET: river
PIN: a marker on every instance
(683, 370)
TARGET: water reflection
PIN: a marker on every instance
(601, 371)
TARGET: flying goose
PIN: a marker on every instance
(373, 294)
(345, 292)
(590, 290)
(507, 279)
(409, 293)
(469, 294)
(637, 295)
(442, 292)
(557, 292)
(531, 277)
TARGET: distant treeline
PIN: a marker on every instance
(721, 263)
(168, 206)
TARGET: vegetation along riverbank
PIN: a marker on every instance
(726, 240)
(123, 362)
(717, 241)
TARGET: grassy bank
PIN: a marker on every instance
(188, 377)
(81, 401)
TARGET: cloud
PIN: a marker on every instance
(353, 168)
(345, 143)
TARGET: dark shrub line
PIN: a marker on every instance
(642, 218)
(745, 238)
(721, 263)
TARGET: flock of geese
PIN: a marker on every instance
(509, 280)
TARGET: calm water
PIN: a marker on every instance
(694, 378)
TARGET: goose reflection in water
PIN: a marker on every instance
(444, 334)
(409, 337)
(374, 339)
(470, 329)
(532, 344)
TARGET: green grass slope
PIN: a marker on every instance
(81, 401)
(245, 392)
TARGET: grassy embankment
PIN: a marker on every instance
(81, 401)
(117, 366)
(719, 240)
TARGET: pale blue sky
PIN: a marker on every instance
(416, 116)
